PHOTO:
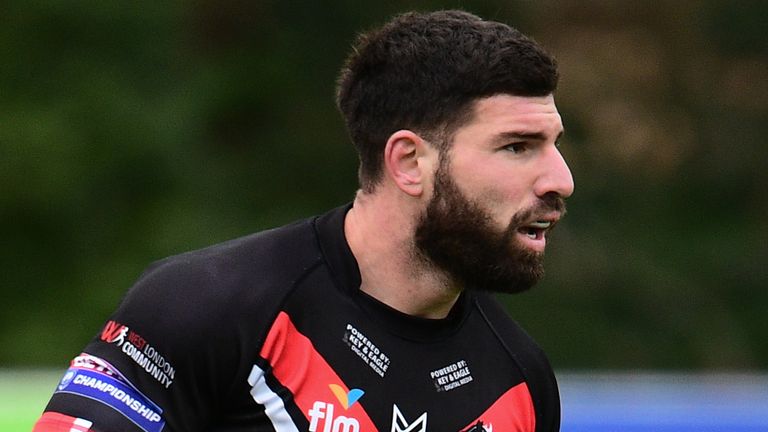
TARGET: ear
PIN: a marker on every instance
(407, 161)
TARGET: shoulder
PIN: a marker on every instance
(222, 296)
(187, 332)
(238, 259)
(529, 357)
(232, 275)
(508, 330)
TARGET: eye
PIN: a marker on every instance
(517, 148)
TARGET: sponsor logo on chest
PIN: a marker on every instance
(333, 419)
(400, 424)
(368, 352)
(452, 376)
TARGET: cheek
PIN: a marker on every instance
(504, 200)
(502, 187)
(501, 202)
(498, 189)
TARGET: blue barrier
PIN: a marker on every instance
(664, 402)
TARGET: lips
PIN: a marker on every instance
(533, 233)
(535, 230)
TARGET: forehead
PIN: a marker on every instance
(514, 114)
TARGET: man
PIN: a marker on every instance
(375, 316)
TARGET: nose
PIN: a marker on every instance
(555, 176)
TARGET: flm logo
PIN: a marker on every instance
(346, 399)
(322, 412)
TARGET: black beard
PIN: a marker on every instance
(458, 236)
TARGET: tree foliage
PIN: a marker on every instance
(132, 131)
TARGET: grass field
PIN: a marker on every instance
(23, 395)
(592, 402)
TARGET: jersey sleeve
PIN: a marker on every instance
(166, 359)
(153, 365)
(182, 342)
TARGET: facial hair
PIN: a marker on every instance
(459, 237)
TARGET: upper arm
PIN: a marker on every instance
(155, 364)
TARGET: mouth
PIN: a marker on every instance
(534, 234)
(536, 230)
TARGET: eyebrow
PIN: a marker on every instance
(538, 136)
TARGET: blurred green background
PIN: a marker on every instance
(130, 131)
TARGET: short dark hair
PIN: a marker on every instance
(424, 71)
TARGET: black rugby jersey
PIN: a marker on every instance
(270, 332)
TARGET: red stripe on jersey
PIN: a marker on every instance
(300, 368)
(512, 412)
(56, 422)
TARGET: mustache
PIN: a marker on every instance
(547, 204)
(552, 202)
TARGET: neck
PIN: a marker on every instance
(380, 235)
